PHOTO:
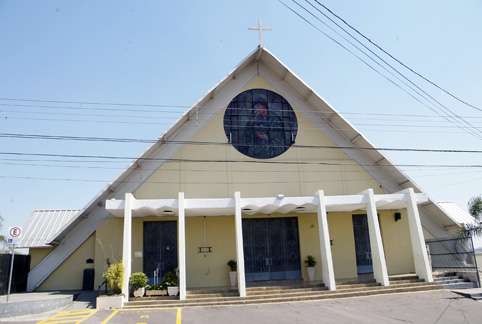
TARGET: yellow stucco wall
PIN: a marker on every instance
(211, 180)
(210, 269)
(108, 245)
(396, 243)
(343, 247)
(37, 254)
(70, 273)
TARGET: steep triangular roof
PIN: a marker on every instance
(340, 131)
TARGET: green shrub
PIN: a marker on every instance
(113, 276)
(170, 279)
(310, 261)
(233, 265)
(138, 280)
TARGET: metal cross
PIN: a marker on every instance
(260, 29)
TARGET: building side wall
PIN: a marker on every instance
(37, 255)
(69, 275)
(108, 246)
(396, 243)
(210, 269)
(343, 245)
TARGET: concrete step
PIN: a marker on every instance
(449, 281)
(460, 285)
(277, 299)
(285, 296)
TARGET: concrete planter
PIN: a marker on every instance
(109, 302)
(311, 273)
(233, 278)
(139, 292)
(162, 292)
(173, 291)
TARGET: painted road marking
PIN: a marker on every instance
(108, 318)
(74, 316)
(178, 316)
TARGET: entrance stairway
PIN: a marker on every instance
(302, 292)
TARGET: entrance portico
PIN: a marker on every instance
(305, 206)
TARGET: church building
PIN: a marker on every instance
(262, 171)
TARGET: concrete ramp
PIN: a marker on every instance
(33, 303)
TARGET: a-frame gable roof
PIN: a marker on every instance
(372, 160)
(340, 131)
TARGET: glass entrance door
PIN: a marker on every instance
(362, 244)
(271, 249)
(160, 249)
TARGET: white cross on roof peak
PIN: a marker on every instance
(260, 29)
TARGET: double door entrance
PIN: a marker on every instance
(271, 249)
(160, 249)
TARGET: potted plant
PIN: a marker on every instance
(113, 278)
(233, 275)
(156, 290)
(170, 280)
(310, 267)
(138, 282)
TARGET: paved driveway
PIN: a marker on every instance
(423, 307)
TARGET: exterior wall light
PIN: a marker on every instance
(397, 216)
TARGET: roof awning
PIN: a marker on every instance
(262, 205)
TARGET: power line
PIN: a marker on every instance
(93, 103)
(412, 84)
(126, 122)
(220, 112)
(138, 140)
(451, 94)
(114, 157)
(471, 131)
(164, 120)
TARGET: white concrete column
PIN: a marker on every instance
(238, 223)
(328, 275)
(419, 250)
(127, 243)
(378, 255)
(181, 246)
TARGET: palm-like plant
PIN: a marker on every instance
(475, 209)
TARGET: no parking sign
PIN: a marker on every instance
(14, 233)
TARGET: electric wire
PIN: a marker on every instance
(451, 94)
(471, 131)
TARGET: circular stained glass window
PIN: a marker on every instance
(260, 124)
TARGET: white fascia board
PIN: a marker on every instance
(219, 206)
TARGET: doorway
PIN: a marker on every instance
(271, 249)
(364, 263)
(160, 249)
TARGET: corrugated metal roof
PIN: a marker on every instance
(456, 213)
(43, 225)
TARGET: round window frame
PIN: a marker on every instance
(288, 117)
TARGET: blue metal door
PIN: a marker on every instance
(271, 249)
(160, 249)
(362, 244)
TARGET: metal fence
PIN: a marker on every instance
(454, 254)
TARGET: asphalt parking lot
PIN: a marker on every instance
(423, 307)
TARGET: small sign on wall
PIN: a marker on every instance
(205, 249)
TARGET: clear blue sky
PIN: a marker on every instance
(173, 52)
